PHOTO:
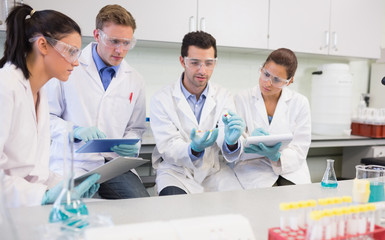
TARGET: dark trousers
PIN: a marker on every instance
(171, 190)
(127, 185)
(282, 182)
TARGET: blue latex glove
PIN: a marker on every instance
(126, 150)
(85, 189)
(88, 133)
(198, 144)
(269, 152)
(234, 127)
(259, 132)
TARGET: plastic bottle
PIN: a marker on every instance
(148, 132)
(329, 179)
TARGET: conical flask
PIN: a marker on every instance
(68, 207)
(329, 179)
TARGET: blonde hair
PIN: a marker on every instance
(115, 14)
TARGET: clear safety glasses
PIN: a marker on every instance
(112, 42)
(274, 80)
(70, 53)
(196, 64)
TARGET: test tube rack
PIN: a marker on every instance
(277, 234)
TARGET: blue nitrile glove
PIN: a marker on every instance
(269, 152)
(85, 189)
(259, 132)
(234, 127)
(88, 133)
(198, 144)
(126, 150)
(88, 187)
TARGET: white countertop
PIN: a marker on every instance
(259, 206)
(318, 141)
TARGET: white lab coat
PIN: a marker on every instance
(172, 121)
(83, 101)
(24, 140)
(292, 115)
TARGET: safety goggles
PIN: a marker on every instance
(70, 53)
(112, 42)
(196, 64)
(274, 80)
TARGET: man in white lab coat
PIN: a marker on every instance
(104, 97)
(190, 127)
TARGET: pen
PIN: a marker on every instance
(130, 97)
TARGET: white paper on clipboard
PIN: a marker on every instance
(113, 168)
(270, 140)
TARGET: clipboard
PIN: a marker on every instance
(104, 145)
(270, 140)
(113, 168)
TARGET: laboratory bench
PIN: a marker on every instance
(346, 150)
(259, 206)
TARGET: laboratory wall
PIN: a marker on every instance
(237, 69)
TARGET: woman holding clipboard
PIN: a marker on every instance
(271, 108)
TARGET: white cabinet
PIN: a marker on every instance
(5, 8)
(166, 20)
(334, 27)
(242, 23)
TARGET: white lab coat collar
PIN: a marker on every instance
(280, 110)
(87, 62)
(183, 105)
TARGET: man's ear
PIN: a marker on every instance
(181, 60)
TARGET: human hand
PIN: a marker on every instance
(269, 152)
(198, 144)
(126, 150)
(88, 187)
(85, 189)
(88, 133)
(234, 127)
(259, 132)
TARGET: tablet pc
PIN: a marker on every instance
(113, 168)
(104, 145)
(270, 140)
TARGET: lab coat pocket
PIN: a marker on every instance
(122, 109)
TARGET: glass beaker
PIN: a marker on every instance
(375, 174)
(329, 179)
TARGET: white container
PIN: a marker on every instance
(331, 95)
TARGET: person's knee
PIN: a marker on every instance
(171, 190)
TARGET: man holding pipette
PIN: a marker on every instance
(190, 127)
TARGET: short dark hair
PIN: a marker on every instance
(286, 58)
(23, 23)
(199, 39)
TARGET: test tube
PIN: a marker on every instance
(311, 206)
(302, 211)
(362, 219)
(314, 231)
(284, 216)
(327, 223)
(340, 219)
(293, 217)
(347, 200)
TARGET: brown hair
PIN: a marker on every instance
(286, 58)
(115, 14)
